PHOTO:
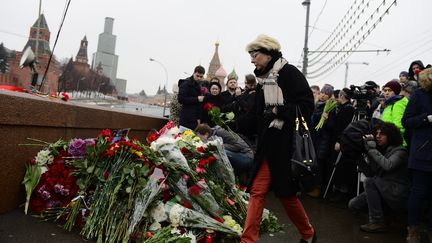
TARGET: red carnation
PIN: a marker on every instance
(211, 158)
(105, 133)
(200, 170)
(64, 96)
(230, 201)
(184, 150)
(417, 71)
(187, 205)
(195, 190)
(106, 175)
(152, 137)
(218, 219)
(208, 106)
(201, 149)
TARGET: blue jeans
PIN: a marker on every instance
(240, 162)
(421, 190)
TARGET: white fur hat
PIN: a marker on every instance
(264, 42)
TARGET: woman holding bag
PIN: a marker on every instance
(281, 88)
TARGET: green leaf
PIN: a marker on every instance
(126, 170)
(90, 169)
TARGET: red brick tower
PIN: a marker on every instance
(21, 77)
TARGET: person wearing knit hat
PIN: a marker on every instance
(281, 88)
(327, 89)
(394, 86)
(403, 77)
(395, 105)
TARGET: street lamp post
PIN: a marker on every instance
(166, 83)
(306, 3)
(346, 70)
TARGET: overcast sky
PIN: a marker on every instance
(181, 34)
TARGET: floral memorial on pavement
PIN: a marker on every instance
(170, 188)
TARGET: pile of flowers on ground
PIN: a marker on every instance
(174, 188)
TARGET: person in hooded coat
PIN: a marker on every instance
(281, 87)
(418, 117)
(415, 65)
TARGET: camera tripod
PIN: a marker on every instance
(358, 115)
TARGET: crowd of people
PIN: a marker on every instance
(395, 156)
(377, 137)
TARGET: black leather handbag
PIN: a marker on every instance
(304, 162)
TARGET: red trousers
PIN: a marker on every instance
(292, 205)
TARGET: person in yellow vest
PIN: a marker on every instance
(395, 105)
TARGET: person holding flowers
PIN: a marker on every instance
(281, 88)
(213, 98)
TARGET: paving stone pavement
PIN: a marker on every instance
(333, 225)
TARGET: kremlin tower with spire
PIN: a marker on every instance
(38, 40)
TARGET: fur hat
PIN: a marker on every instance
(264, 43)
(410, 86)
(425, 79)
(327, 89)
(394, 86)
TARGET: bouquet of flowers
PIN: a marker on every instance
(123, 190)
(181, 216)
(218, 117)
(329, 106)
(201, 193)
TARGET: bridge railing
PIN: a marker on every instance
(25, 116)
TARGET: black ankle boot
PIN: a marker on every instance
(314, 239)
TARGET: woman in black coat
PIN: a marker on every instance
(418, 118)
(281, 88)
(215, 99)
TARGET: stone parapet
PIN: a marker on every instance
(25, 116)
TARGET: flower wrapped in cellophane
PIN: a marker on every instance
(176, 187)
(181, 216)
(201, 193)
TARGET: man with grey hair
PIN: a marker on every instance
(408, 88)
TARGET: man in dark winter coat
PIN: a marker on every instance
(245, 118)
(338, 119)
(191, 99)
(281, 88)
(418, 118)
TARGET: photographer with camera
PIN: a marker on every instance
(389, 186)
(373, 92)
(365, 98)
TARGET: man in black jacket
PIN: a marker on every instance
(191, 99)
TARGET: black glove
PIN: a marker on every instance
(369, 142)
(268, 114)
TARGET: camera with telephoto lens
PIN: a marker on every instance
(361, 94)
(364, 92)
